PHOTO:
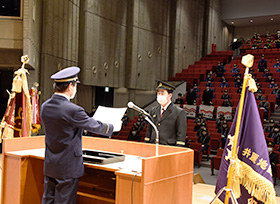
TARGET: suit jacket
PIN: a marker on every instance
(172, 126)
(64, 123)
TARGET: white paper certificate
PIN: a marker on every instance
(110, 115)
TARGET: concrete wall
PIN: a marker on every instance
(60, 37)
(103, 42)
(219, 33)
(32, 36)
(11, 35)
(188, 34)
(147, 56)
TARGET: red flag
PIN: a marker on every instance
(17, 119)
(36, 120)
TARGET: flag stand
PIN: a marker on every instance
(227, 190)
(248, 62)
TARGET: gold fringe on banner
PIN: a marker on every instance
(257, 186)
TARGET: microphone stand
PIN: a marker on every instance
(156, 130)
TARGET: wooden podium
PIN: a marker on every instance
(142, 177)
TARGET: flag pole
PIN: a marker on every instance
(247, 63)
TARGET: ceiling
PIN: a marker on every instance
(257, 20)
(241, 12)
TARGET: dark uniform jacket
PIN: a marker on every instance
(172, 126)
(64, 122)
(274, 160)
(207, 97)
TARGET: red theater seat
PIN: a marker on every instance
(216, 161)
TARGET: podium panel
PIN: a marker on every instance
(166, 178)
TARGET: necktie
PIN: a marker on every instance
(162, 112)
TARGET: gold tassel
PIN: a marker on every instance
(17, 84)
(256, 185)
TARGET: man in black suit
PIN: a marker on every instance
(207, 96)
(64, 123)
(169, 119)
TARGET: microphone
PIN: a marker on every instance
(133, 106)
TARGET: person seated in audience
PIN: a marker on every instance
(269, 78)
(191, 96)
(220, 119)
(275, 90)
(197, 126)
(259, 40)
(200, 118)
(142, 121)
(209, 83)
(226, 103)
(197, 107)
(234, 69)
(179, 100)
(277, 64)
(222, 79)
(259, 88)
(262, 64)
(138, 125)
(269, 128)
(207, 96)
(134, 134)
(268, 41)
(202, 126)
(224, 84)
(235, 73)
(268, 44)
(209, 77)
(251, 70)
(238, 83)
(259, 96)
(266, 73)
(225, 95)
(220, 70)
(239, 90)
(204, 139)
(268, 36)
(265, 105)
(255, 36)
(275, 132)
(195, 89)
(224, 130)
(274, 160)
(272, 84)
(277, 39)
(237, 76)
(255, 45)
(125, 119)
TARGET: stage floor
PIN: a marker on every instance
(204, 194)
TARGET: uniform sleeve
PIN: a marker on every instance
(181, 126)
(149, 130)
(148, 133)
(83, 121)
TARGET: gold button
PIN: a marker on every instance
(159, 124)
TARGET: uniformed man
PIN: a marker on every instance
(274, 160)
(262, 64)
(168, 118)
(64, 123)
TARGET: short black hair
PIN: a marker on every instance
(62, 86)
